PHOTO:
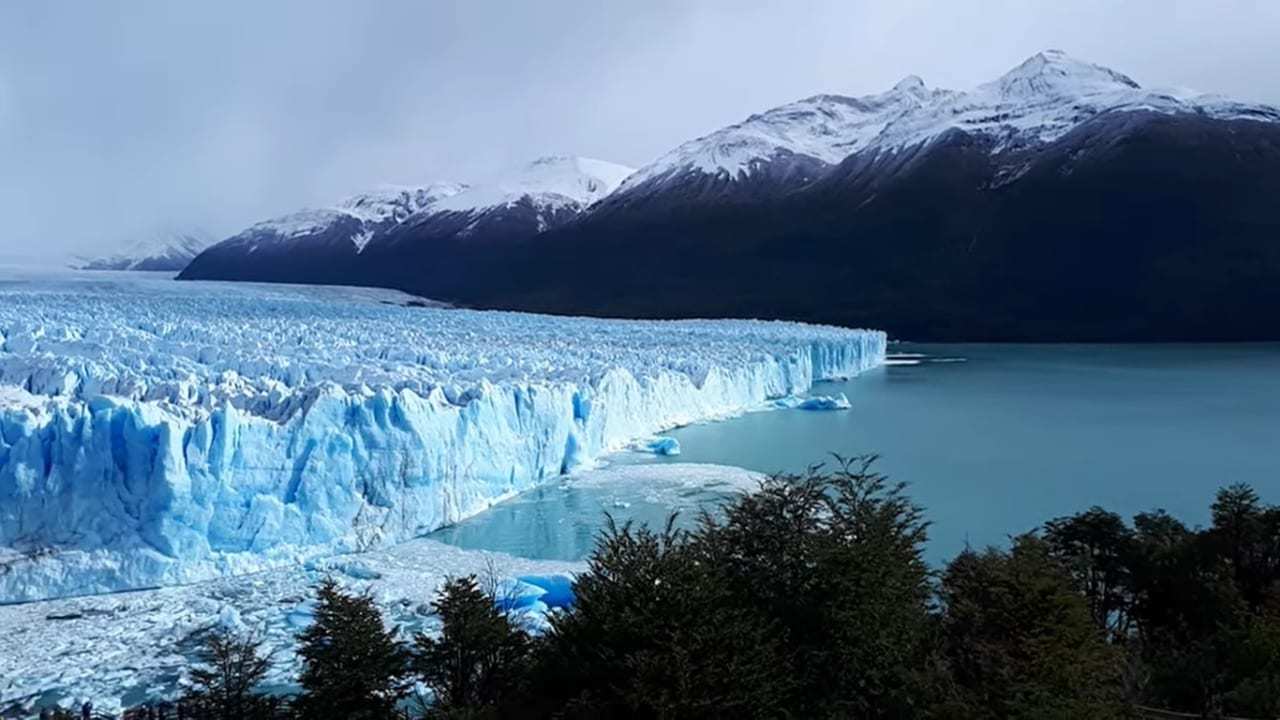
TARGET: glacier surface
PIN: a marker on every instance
(157, 433)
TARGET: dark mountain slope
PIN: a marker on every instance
(1133, 226)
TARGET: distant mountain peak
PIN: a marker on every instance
(1054, 72)
(397, 202)
(583, 179)
(169, 249)
(911, 84)
(548, 190)
(551, 180)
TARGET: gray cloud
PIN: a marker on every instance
(120, 117)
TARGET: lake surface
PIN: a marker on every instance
(992, 439)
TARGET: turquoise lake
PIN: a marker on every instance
(992, 440)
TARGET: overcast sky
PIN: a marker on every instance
(121, 118)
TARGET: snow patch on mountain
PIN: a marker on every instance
(824, 127)
(550, 182)
(551, 185)
(1046, 97)
(366, 214)
(394, 204)
(1039, 101)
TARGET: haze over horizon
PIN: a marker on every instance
(119, 119)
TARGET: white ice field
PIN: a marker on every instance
(154, 433)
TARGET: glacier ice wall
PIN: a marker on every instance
(156, 433)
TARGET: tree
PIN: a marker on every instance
(1246, 535)
(224, 686)
(1205, 608)
(1096, 548)
(1254, 666)
(835, 560)
(1020, 640)
(477, 667)
(654, 633)
(808, 598)
(353, 667)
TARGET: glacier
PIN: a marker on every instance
(157, 433)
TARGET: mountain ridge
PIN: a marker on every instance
(326, 245)
(934, 214)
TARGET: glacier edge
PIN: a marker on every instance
(109, 493)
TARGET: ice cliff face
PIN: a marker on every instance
(157, 433)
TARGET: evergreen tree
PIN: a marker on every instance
(353, 666)
(477, 667)
(224, 686)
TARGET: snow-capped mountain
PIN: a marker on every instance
(168, 250)
(1036, 102)
(1045, 97)
(554, 188)
(1061, 200)
(823, 130)
(328, 245)
(354, 220)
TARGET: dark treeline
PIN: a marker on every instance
(811, 599)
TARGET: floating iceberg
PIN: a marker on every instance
(817, 402)
(155, 433)
(826, 402)
(662, 445)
